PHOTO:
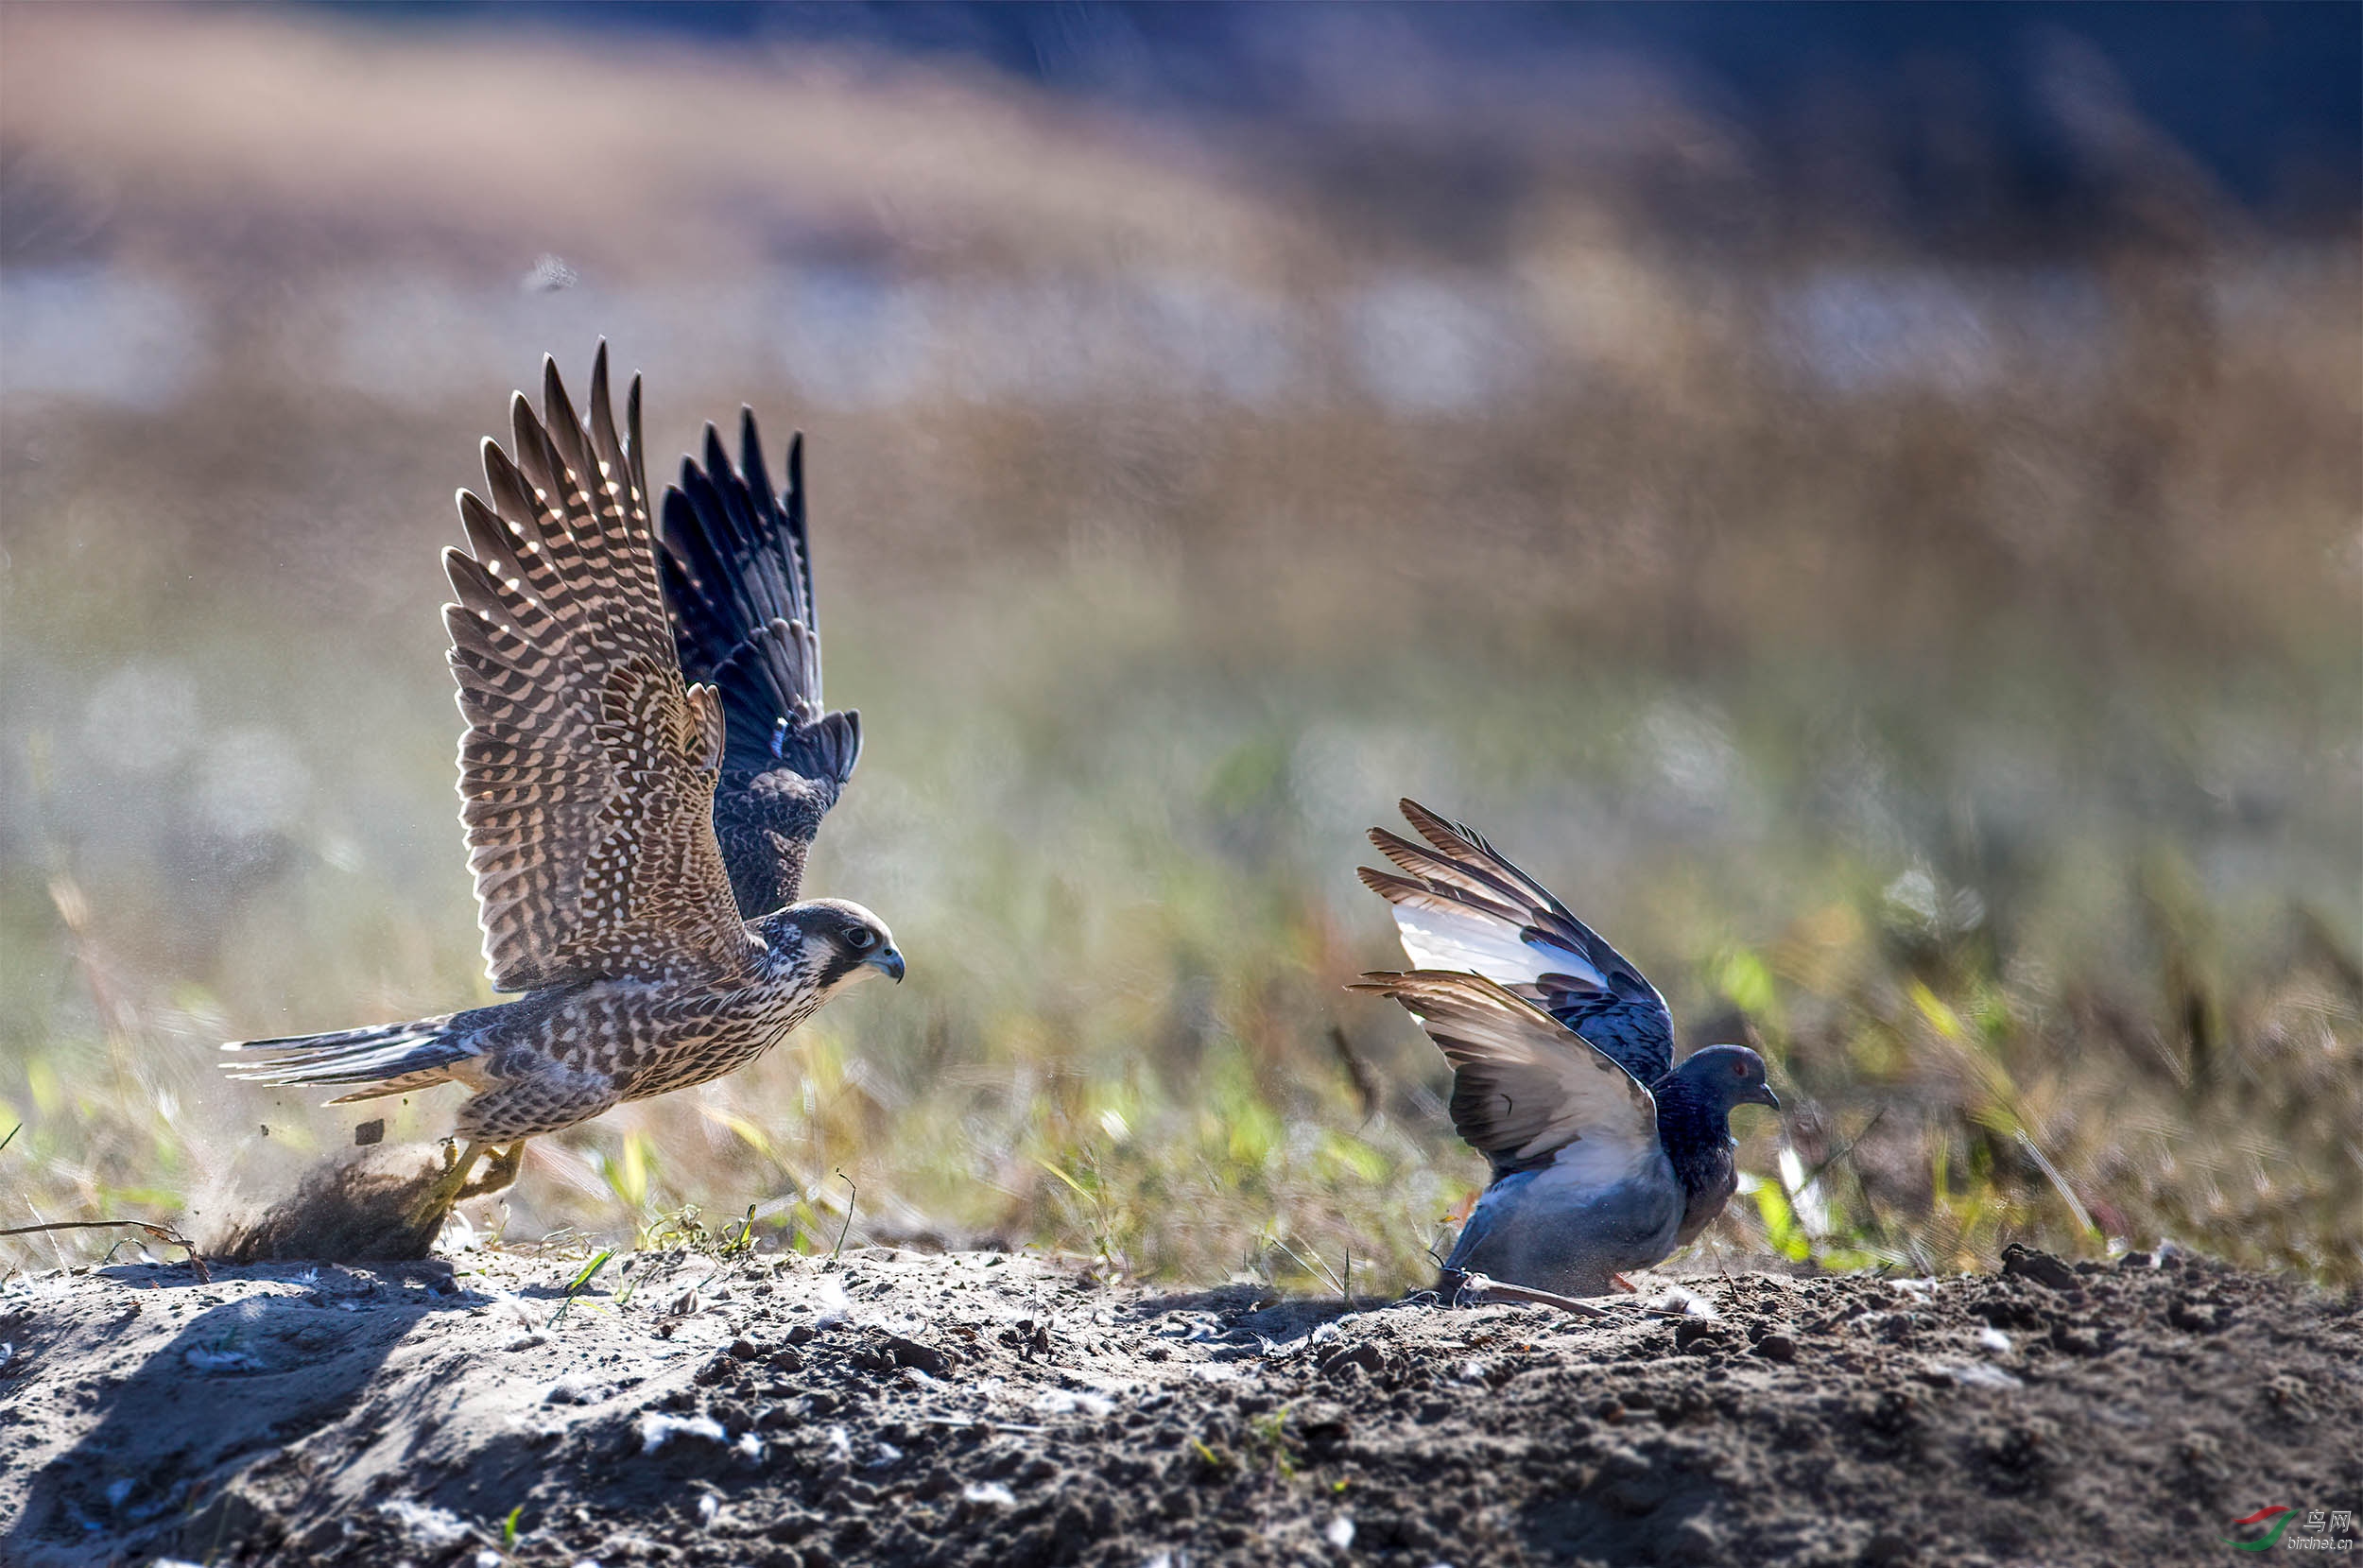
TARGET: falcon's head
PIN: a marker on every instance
(834, 942)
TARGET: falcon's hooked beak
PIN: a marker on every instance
(888, 963)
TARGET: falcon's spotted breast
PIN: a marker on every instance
(653, 954)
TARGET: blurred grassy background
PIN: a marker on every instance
(1921, 631)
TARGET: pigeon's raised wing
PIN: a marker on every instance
(1462, 905)
(738, 573)
(588, 769)
(1524, 1085)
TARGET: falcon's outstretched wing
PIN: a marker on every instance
(1524, 1085)
(1462, 905)
(737, 571)
(588, 768)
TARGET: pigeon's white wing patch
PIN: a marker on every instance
(1442, 933)
(1523, 1084)
(1462, 903)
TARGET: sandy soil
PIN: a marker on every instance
(982, 1409)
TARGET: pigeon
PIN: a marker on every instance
(1607, 1156)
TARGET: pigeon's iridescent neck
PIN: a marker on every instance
(1694, 1128)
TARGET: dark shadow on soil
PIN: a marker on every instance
(972, 1411)
(236, 1381)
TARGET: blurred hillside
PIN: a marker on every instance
(1884, 547)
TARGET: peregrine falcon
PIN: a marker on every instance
(1606, 1155)
(608, 684)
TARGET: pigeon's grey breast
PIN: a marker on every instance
(1570, 1225)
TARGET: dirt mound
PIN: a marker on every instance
(360, 1207)
(982, 1409)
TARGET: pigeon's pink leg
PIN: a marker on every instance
(1622, 1284)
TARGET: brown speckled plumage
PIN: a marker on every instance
(587, 776)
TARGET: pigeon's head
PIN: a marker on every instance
(840, 942)
(1725, 1075)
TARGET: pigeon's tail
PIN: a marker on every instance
(390, 1058)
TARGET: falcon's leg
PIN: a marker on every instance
(441, 1190)
(499, 1172)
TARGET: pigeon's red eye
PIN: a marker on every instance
(1740, 1069)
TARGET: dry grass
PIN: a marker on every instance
(1981, 741)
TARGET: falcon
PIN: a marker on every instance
(610, 682)
(1606, 1155)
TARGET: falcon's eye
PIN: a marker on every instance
(860, 941)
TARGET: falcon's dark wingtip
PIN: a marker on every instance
(739, 575)
(750, 453)
(557, 408)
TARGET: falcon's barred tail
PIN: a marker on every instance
(737, 570)
(391, 1058)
